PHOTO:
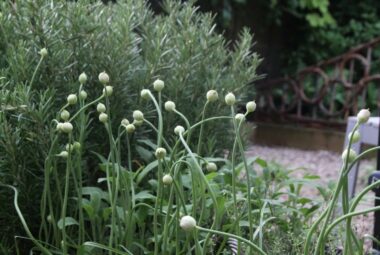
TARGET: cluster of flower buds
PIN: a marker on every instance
(361, 118)
(138, 118)
(130, 128)
(65, 127)
(101, 108)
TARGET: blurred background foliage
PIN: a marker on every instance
(296, 33)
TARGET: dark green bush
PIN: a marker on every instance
(127, 40)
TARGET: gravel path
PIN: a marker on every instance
(325, 164)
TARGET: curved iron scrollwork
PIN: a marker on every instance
(328, 92)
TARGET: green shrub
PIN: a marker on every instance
(129, 42)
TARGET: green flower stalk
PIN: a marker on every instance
(188, 223)
(348, 156)
(205, 181)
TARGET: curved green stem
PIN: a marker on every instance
(321, 239)
(65, 198)
(156, 207)
(160, 121)
(23, 222)
(85, 107)
(350, 215)
(248, 179)
(35, 72)
(252, 245)
(156, 130)
(211, 191)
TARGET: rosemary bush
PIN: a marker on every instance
(130, 42)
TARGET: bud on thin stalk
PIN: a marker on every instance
(158, 85)
(230, 99)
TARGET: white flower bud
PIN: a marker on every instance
(239, 117)
(83, 95)
(76, 145)
(363, 116)
(66, 127)
(72, 99)
(49, 218)
(59, 126)
(130, 128)
(230, 99)
(145, 94)
(101, 108)
(65, 115)
(138, 115)
(355, 136)
(212, 95)
(43, 52)
(108, 90)
(103, 117)
(211, 167)
(251, 106)
(124, 122)
(158, 85)
(104, 78)
(160, 153)
(351, 155)
(69, 147)
(63, 154)
(167, 179)
(187, 223)
(179, 130)
(138, 123)
(169, 106)
(82, 78)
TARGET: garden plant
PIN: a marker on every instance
(183, 201)
(174, 196)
